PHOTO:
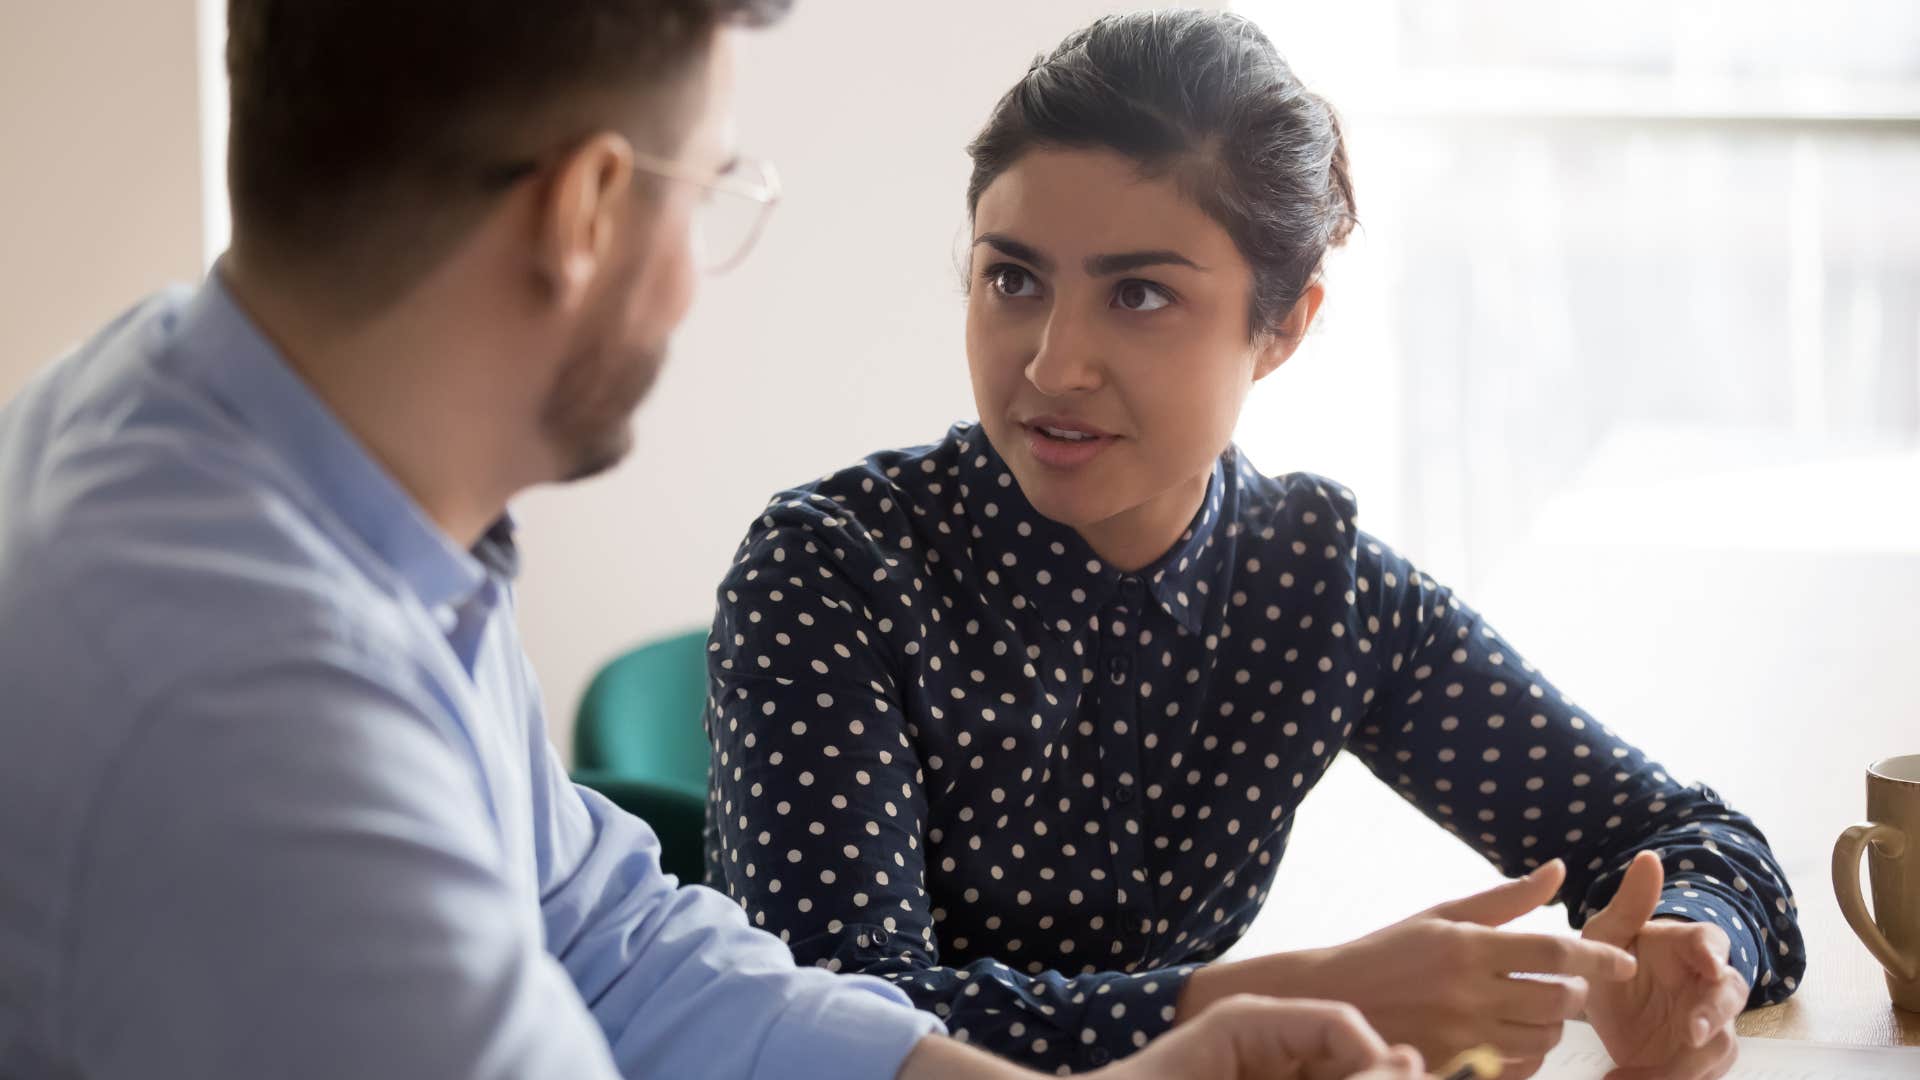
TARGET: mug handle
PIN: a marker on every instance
(1892, 843)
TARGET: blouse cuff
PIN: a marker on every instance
(1124, 1014)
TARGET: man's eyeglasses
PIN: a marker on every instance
(733, 210)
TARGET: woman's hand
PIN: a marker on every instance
(1444, 980)
(1674, 1019)
(1249, 1037)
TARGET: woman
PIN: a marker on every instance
(1019, 720)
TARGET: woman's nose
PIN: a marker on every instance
(1067, 361)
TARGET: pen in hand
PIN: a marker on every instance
(1480, 1063)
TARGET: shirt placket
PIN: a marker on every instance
(1120, 765)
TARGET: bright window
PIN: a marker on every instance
(1614, 252)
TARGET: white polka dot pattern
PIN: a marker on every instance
(954, 750)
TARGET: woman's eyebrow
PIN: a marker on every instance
(1014, 249)
(1109, 265)
(1096, 265)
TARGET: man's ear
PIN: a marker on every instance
(580, 212)
(1277, 345)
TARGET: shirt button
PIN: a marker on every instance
(879, 939)
(1118, 664)
(1123, 794)
(1098, 1056)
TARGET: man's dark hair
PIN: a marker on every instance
(361, 129)
(1202, 96)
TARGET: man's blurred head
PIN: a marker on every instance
(502, 157)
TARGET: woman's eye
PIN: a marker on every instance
(1012, 281)
(1140, 296)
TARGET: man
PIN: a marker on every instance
(276, 795)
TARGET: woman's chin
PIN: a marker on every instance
(1075, 498)
(1068, 503)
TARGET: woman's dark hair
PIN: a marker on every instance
(1202, 96)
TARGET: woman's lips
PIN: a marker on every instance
(1065, 444)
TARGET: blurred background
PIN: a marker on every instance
(1627, 348)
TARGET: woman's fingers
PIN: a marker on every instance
(1538, 1001)
(1548, 954)
(1723, 1063)
(1711, 948)
(1507, 901)
(1526, 1042)
(1633, 902)
(1709, 1062)
(1728, 998)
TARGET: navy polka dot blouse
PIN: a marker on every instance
(953, 749)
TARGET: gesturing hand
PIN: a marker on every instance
(1443, 980)
(1674, 1019)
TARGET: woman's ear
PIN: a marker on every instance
(580, 213)
(1276, 346)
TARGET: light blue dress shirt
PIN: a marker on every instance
(276, 793)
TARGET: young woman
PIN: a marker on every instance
(1019, 720)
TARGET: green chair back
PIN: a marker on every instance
(640, 716)
(637, 739)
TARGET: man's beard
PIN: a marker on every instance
(588, 414)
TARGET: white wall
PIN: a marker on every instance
(99, 167)
(840, 336)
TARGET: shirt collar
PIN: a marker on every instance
(218, 346)
(1182, 578)
(1055, 571)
